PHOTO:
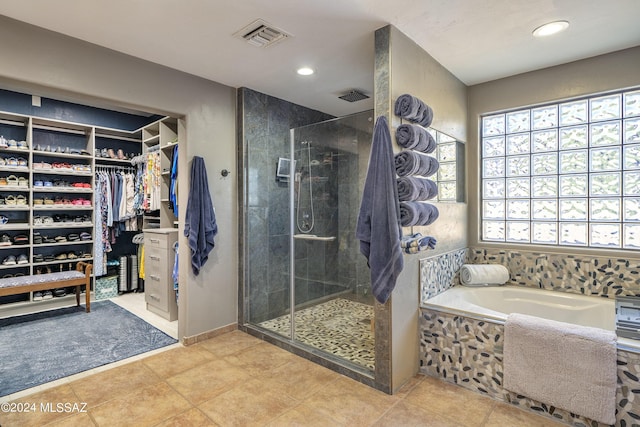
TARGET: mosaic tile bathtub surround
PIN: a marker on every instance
(587, 275)
(341, 327)
(439, 273)
(468, 352)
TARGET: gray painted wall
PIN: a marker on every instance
(45, 63)
(603, 73)
(412, 70)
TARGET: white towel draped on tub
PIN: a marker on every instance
(568, 366)
(484, 274)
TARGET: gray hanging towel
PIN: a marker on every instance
(378, 227)
(200, 222)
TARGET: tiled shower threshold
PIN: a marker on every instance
(339, 327)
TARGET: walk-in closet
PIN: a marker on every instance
(79, 183)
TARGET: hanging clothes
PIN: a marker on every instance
(175, 271)
(173, 187)
(115, 193)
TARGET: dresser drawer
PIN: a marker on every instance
(158, 260)
(155, 293)
(163, 240)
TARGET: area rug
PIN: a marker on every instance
(340, 327)
(42, 347)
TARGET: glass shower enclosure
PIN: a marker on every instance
(307, 281)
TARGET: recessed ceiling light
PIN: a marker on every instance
(305, 71)
(550, 28)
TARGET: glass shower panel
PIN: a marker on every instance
(332, 302)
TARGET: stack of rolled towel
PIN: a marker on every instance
(416, 243)
(413, 109)
(417, 213)
(411, 188)
(414, 190)
(412, 163)
(414, 137)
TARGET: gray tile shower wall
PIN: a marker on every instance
(266, 123)
(468, 352)
(587, 275)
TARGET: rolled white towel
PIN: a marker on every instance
(484, 274)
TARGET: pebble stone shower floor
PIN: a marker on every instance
(340, 327)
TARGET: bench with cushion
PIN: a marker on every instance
(43, 282)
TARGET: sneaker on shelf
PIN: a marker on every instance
(60, 292)
(21, 239)
(37, 296)
(10, 260)
(5, 240)
(23, 259)
(47, 295)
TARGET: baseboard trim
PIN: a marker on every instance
(187, 341)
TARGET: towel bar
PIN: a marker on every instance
(314, 237)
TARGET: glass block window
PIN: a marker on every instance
(446, 178)
(565, 174)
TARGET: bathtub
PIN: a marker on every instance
(495, 303)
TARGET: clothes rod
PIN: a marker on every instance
(118, 167)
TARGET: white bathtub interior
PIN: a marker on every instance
(495, 303)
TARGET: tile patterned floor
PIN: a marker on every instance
(340, 327)
(238, 380)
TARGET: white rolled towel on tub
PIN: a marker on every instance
(484, 274)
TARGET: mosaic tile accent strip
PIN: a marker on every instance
(468, 352)
(439, 273)
(586, 275)
(340, 327)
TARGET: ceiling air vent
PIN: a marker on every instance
(353, 96)
(262, 34)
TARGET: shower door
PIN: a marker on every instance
(317, 290)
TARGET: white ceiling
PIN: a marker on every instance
(477, 40)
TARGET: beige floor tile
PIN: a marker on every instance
(406, 415)
(260, 358)
(299, 378)
(504, 414)
(249, 403)
(406, 388)
(351, 403)
(143, 407)
(172, 362)
(40, 408)
(463, 406)
(191, 418)
(230, 343)
(207, 380)
(77, 420)
(106, 385)
(303, 415)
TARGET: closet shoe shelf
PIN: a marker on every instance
(67, 243)
(59, 160)
(14, 207)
